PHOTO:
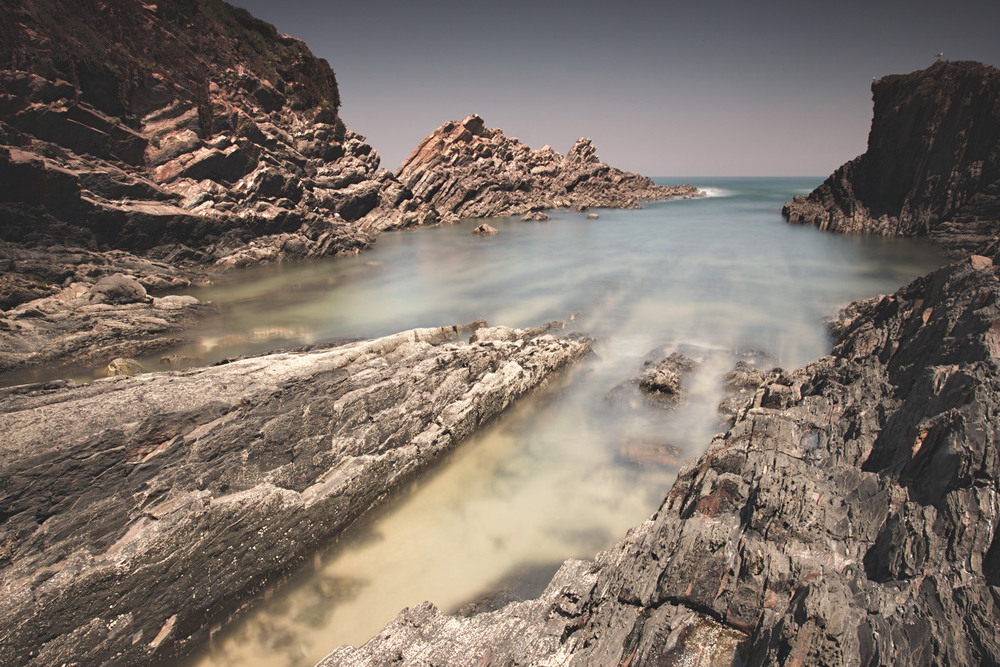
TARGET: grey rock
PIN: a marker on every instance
(486, 230)
(118, 289)
(141, 511)
(664, 379)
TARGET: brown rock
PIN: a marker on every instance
(469, 170)
(485, 230)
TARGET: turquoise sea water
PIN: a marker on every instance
(567, 471)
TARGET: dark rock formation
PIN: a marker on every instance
(140, 512)
(184, 121)
(468, 170)
(82, 308)
(932, 167)
(849, 517)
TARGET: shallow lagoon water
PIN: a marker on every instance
(570, 469)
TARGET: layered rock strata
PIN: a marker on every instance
(932, 167)
(849, 517)
(470, 171)
(181, 122)
(139, 512)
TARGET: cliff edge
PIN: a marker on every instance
(932, 167)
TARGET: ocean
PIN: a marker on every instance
(566, 472)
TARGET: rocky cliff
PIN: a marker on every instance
(138, 513)
(932, 167)
(849, 517)
(134, 126)
(468, 170)
(141, 139)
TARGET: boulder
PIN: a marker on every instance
(534, 216)
(664, 379)
(486, 230)
(118, 289)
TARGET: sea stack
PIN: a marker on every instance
(932, 167)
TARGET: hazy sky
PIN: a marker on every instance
(663, 88)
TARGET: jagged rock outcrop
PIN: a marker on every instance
(849, 517)
(183, 121)
(469, 170)
(182, 133)
(140, 512)
(932, 167)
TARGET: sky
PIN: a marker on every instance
(709, 88)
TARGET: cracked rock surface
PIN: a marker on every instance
(849, 517)
(138, 513)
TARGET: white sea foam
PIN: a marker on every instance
(716, 192)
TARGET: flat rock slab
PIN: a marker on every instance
(139, 512)
(848, 518)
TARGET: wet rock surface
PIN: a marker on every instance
(139, 512)
(663, 380)
(932, 167)
(468, 170)
(740, 385)
(849, 517)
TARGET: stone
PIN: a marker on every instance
(123, 366)
(118, 289)
(592, 216)
(141, 511)
(664, 379)
(534, 216)
(486, 230)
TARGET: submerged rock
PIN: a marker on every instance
(140, 512)
(849, 517)
(123, 366)
(534, 216)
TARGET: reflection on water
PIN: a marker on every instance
(566, 472)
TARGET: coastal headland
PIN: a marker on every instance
(849, 515)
